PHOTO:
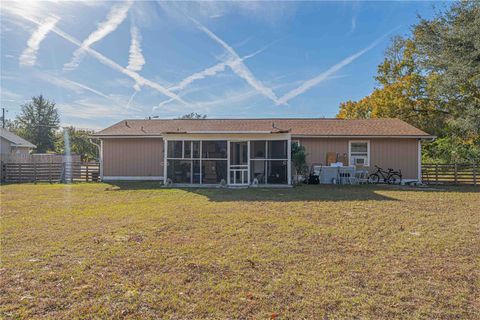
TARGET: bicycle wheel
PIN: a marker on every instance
(374, 178)
(394, 179)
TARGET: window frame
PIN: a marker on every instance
(350, 160)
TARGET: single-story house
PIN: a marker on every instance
(12, 145)
(241, 151)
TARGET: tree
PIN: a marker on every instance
(450, 44)
(299, 159)
(79, 143)
(432, 80)
(194, 116)
(38, 122)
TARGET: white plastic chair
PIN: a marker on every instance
(344, 175)
(361, 176)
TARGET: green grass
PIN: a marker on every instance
(138, 251)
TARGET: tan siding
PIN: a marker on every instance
(396, 154)
(133, 157)
(386, 153)
(317, 148)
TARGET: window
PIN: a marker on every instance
(277, 149)
(214, 149)
(259, 149)
(187, 149)
(359, 153)
(268, 161)
(180, 171)
(175, 149)
(185, 163)
(214, 171)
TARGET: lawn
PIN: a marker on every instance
(316, 252)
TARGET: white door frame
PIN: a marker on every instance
(238, 168)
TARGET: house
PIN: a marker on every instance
(243, 151)
(12, 145)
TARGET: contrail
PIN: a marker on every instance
(307, 85)
(108, 62)
(115, 17)
(29, 55)
(135, 59)
(237, 65)
(211, 71)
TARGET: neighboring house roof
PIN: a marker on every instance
(15, 140)
(297, 127)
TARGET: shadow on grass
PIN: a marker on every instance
(301, 193)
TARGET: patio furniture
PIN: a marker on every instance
(361, 176)
(345, 175)
(328, 174)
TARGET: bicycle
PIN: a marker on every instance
(391, 176)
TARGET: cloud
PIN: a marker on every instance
(115, 66)
(93, 110)
(307, 85)
(69, 84)
(115, 17)
(29, 55)
(237, 65)
(262, 11)
(10, 96)
(136, 59)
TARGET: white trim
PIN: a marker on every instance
(101, 160)
(220, 138)
(132, 178)
(350, 151)
(126, 136)
(228, 162)
(248, 162)
(165, 161)
(289, 161)
(223, 132)
(200, 154)
(419, 157)
(296, 136)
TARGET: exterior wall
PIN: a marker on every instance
(386, 153)
(317, 148)
(13, 154)
(4, 149)
(133, 157)
(396, 154)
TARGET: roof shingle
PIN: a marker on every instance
(18, 141)
(297, 127)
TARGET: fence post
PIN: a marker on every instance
(50, 172)
(20, 172)
(34, 171)
(474, 174)
(86, 175)
(455, 171)
(436, 173)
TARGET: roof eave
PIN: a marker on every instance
(426, 137)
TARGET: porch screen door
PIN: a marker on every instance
(239, 163)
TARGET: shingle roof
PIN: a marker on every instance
(16, 140)
(297, 127)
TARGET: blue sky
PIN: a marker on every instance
(106, 61)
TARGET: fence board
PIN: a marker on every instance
(32, 172)
(456, 173)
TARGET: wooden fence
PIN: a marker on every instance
(52, 172)
(451, 174)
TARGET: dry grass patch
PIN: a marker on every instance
(136, 250)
